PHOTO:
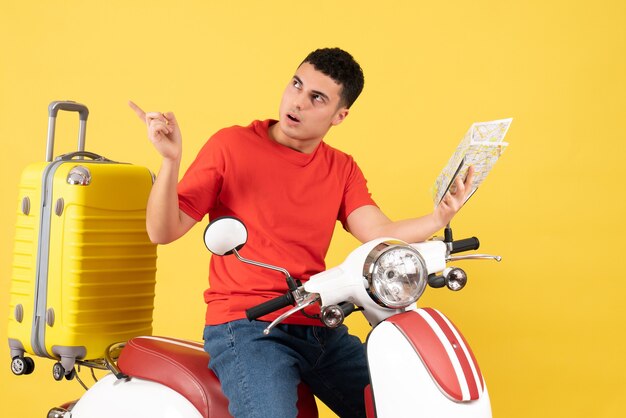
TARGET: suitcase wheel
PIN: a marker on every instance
(71, 375)
(22, 365)
(58, 372)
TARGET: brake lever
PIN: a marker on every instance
(307, 301)
(474, 257)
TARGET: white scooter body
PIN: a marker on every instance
(132, 398)
(419, 363)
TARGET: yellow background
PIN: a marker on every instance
(547, 324)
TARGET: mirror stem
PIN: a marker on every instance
(290, 281)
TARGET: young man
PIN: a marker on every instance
(289, 187)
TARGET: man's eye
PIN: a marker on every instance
(296, 84)
(318, 98)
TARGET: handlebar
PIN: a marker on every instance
(466, 244)
(270, 306)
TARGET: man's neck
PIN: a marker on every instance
(303, 146)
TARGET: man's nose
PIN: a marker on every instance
(299, 101)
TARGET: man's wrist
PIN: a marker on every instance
(438, 221)
(171, 162)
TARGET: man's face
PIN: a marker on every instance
(310, 105)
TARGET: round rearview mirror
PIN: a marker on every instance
(223, 235)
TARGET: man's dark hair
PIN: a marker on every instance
(341, 67)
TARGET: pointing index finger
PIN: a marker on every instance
(140, 113)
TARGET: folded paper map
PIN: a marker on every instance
(481, 147)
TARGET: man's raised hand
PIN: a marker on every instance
(163, 131)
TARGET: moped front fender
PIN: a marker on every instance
(420, 364)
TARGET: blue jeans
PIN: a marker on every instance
(260, 373)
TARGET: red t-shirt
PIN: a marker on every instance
(289, 202)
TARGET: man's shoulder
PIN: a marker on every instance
(239, 132)
(337, 154)
(235, 130)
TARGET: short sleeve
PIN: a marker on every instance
(356, 193)
(198, 190)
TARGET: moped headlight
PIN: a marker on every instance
(396, 274)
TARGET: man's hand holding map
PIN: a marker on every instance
(481, 147)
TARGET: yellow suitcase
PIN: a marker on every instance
(84, 268)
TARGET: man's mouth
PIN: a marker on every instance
(292, 117)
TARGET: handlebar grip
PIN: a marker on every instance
(466, 244)
(269, 306)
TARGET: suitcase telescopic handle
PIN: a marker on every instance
(69, 106)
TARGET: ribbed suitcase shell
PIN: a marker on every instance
(99, 284)
(84, 267)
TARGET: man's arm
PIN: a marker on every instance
(165, 222)
(369, 222)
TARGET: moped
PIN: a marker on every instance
(419, 363)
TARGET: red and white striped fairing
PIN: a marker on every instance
(444, 352)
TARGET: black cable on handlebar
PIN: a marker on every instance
(270, 306)
(466, 244)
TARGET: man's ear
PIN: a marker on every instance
(340, 116)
